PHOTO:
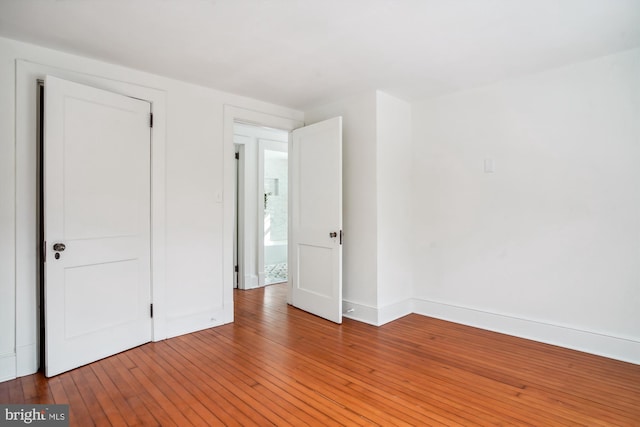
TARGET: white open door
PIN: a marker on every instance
(97, 224)
(315, 241)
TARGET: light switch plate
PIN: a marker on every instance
(489, 165)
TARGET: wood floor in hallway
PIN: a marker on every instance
(277, 365)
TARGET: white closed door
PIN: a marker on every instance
(315, 251)
(96, 185)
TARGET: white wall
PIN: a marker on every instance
(377, 277)
(547, 246)
(7, 218)
(358, 194)
(195, 204)
(395, 222)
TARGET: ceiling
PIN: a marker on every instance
(301, 53)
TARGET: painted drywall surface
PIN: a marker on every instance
(394, 178)
(193, 216)
(359, 194)
(553, 235)
(7, 219)
(377, 201)
(194, 181)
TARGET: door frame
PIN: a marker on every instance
(237, 191)
(231, 115)
(27, 246)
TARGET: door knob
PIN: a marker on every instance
(333, 234)
(59, 247)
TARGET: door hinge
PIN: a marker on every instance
(236, 268)
(150, 120)
(151, 310)
(237, 156)
(340, 236)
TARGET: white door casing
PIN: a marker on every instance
(96, 203)
(315, 239)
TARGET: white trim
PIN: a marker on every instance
(251, 281)
(7, 366)
(188, 323)
(394, 311)
(619, 348)
(260, 214)
(360, 312)
(239, 204)
(232, 114)
(376, 316)
(624, 349)
(27, 74)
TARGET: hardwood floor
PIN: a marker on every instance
(277, 365)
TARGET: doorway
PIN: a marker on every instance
(260, 240)
(27, 239)
(274, 164)
(316, 150)
(97, 225)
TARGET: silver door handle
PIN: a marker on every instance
(59, 247)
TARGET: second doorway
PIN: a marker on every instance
(262, 205)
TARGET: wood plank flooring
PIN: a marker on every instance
(277, 365)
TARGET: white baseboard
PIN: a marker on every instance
(624, 349)
(392, 312)
(181, 325)
(250, 282)
(7, 367)
(376, 316)
(360, 312)
(26, 360)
